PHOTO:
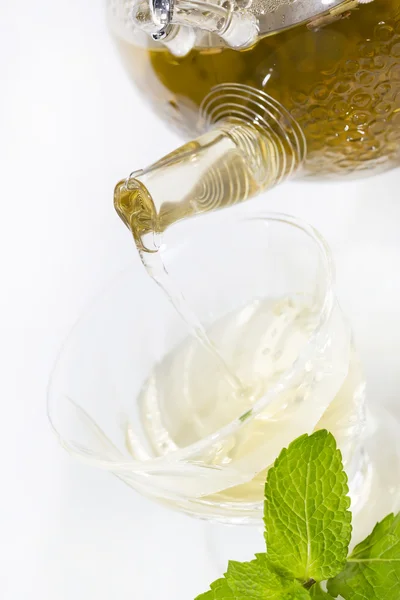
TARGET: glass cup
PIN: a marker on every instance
(136, 392)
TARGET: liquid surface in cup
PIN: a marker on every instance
(338, 76)
(188, 397)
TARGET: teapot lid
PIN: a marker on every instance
(181, 24)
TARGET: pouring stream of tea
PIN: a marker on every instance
(157, 270)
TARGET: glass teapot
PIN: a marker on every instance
(272, 87)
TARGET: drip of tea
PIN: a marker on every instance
(156, 269)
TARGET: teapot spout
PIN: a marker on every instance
(227, 165)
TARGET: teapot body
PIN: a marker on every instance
(337, 75)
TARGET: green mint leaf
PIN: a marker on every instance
(219, 591)
(258, 580)
(373, 569)
(318, 593)
(308, 524)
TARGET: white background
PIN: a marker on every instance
(71, 125)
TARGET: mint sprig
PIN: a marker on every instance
(308, 531)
